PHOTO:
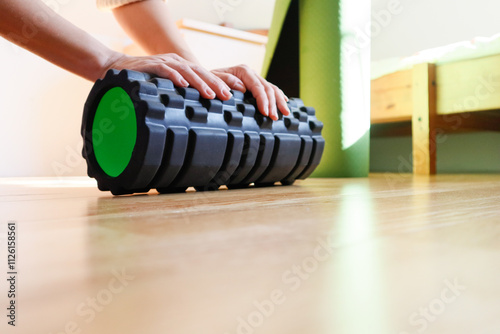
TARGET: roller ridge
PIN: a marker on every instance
(184, 140)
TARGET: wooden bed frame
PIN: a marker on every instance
(429, 100)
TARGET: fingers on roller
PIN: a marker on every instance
(194, 80)
(231, 80)
(167, 72)
(254, 84)
(271, 98)
(260, 95)
(215, 83)
(281, 100)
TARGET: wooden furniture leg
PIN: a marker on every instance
(424, 119)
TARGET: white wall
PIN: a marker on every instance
(242, 14)
(41, 105)
(425, 24)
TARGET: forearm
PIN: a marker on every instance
(150, 25)
(35, 27)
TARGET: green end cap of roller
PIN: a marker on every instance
(114, 131)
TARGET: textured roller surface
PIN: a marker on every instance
(149, 134)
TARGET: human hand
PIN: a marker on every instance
(216, 83)
(268, 96)
(182, 72)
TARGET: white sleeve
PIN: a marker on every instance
(111, 4)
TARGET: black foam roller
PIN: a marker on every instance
(141, 132)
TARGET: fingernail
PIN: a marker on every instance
(275, 114)
(210, 93)
(184, 83)
(266, 110)
(226, 93)
(241, 88)
(286, 98)
(288, 109)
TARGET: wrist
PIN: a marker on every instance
(109, 62)
(188, 55)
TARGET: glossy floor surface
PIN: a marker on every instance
(385, 254)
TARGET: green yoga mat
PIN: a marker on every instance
(314, 51)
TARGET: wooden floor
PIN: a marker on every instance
(390, 254)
